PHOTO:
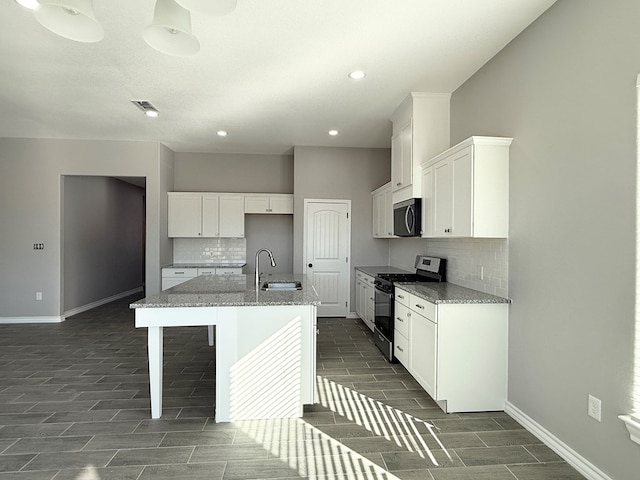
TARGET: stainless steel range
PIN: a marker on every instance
(428, 269)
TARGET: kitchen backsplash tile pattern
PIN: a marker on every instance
(209, 250)
(477, 263)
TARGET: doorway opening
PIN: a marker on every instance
(103, 236)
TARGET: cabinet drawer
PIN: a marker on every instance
(426, 309)
(206, 271)
(401, 348)
(401, 322)
(359, 275)
(180, 272)
(368, 280)
(229, 271)
(402, 297)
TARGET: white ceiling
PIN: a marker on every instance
(273, 73)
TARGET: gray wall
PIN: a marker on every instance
(349, 174)
(215, 172)
(31, 173)
(565, 90)
(103, 235)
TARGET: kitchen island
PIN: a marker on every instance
(265, 342)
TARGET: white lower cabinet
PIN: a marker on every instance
(175, 276)
(365, 299)
(456, 351)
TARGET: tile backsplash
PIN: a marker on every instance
(478, 263)
(209, 250)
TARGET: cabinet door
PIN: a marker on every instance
(210, 215)
(423, 351)
(256, 204)
(378, 215)
(231, 216)
(396, 162)
(359, 298)
(281, 204)
(387, 207)
(442, 198)
(407, 154)
(428, 204)
(462, 194)
(184, 215)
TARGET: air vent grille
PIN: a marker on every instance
(145, 106)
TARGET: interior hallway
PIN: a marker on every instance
(74, 404)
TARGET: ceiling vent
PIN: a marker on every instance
(148, 109)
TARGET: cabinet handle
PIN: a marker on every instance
(179, 273)
(399, 348)
(420, 306)
(371, 299)
(400, 296)
(399, 319)
(398, 184)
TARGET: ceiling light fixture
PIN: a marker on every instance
(221, 133)
(333, 133)
(72, 19)
(357, 75)
(209, 7)
(146, 106)
(30, 4)
(170, 31)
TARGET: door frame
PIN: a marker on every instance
(346, 202)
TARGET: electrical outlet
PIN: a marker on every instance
(38, 296)
(594, 408)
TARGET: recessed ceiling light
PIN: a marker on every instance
(221, 133)
(333, 133)
(151, 113)
(357, 75)
(30, 4)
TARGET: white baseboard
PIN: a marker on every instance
(352, 315)
(97, 303)
(69, 313)
(10, 320)
(572, 457)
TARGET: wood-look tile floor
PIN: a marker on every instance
(74, 405)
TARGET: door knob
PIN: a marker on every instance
(311, 265)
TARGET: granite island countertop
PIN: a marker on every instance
(230, 290)
(449, 293)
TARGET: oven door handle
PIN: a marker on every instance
(382, 292)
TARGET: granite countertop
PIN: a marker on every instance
(230, 291)
(205, 265)
(449, 293)
(373, 271)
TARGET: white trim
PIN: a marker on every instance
(633, 426)
(97, 303)
(572, 457)
(20, 320)
(352, 314)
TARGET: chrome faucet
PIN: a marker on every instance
(273, 263)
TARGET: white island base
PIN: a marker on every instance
(265, 357)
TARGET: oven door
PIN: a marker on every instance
(384, 313)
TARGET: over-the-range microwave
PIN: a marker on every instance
(406, 218)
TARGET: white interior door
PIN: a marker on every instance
(327, 240)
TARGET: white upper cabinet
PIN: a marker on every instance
(205, 215)
(382, 212)
(420, 131)
(465, 190)
(270, 204)
(185, 215)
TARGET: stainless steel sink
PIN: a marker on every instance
(281, 285)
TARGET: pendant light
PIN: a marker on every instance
(170, 31)
(209, 7)
(72, 19)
